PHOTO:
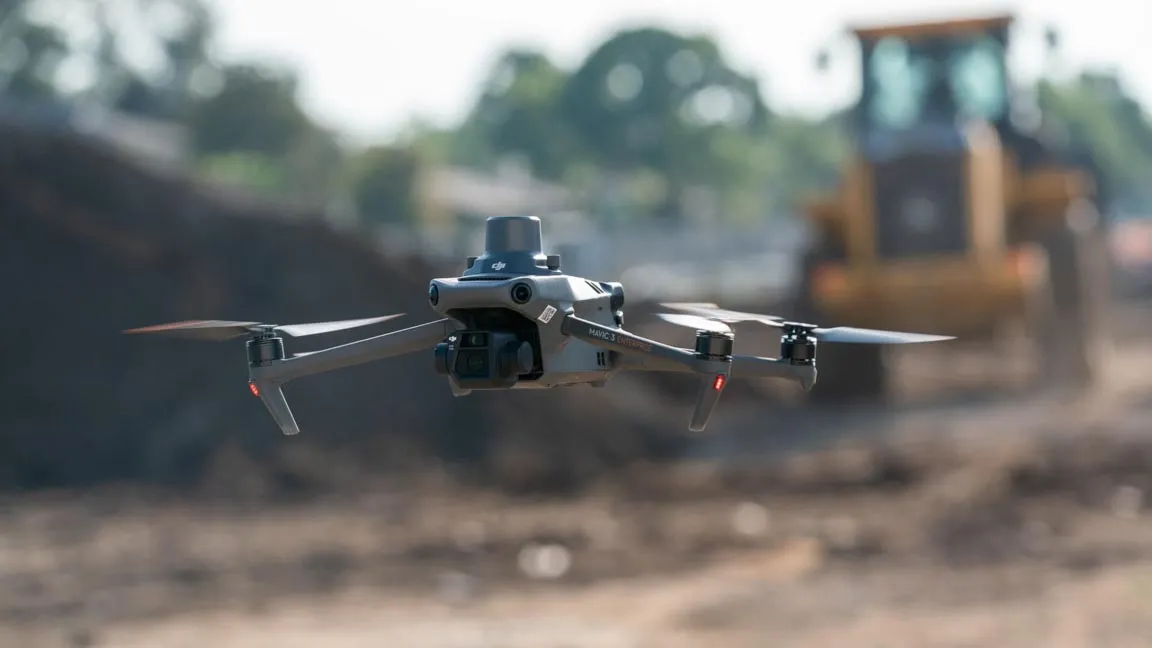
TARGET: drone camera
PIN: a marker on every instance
(797, 347)
(484, 359)
(474, 340)
(713, 345)
(265, 350)
(472, 363)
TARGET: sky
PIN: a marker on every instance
(427, 58)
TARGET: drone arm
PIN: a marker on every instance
(648, 363)
(744, 366)
(636, 352)
(409, 340)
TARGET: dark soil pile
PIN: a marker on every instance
(94, 243)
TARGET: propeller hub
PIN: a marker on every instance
(714, 345)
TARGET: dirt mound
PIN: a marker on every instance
(94, 244)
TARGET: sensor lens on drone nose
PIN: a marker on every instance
(521, 293)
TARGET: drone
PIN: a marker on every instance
(514, 320)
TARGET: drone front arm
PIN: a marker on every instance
(396, 343)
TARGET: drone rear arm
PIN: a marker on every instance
(409, 340)
(637, 352)
(641, 354)
(744, 366)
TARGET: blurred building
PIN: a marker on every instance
(456, 201)
(155, 142)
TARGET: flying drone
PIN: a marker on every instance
(514, 320)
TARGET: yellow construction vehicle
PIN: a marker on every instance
(952, 217)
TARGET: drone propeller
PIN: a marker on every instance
(695, 322)
(717, 314)
(707, 317)
(263, 346)
(218, 330)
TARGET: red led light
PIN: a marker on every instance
(718, 382)
(254, 389)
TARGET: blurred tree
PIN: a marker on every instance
(314, 164)
(255, 111)
(436, 144)
(30, 58)
(651, 99)
(152, 58)
(386, 184)
(803, 156)
(168, 39)
(182, 31)
(1102, 125)
(518, 113)
(249, 170)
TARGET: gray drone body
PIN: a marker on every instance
(514, 320)
(517, 291)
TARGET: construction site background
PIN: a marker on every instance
(149, 500)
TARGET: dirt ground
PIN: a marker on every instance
(1014, 521)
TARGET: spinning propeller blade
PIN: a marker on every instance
(318, 328)
(695, 322)
(714, 312)
(269, 392)
(852, 335)
(707, 316)
(225, 330)
(200, 329)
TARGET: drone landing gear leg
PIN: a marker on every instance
(706, 400)
(273, 398)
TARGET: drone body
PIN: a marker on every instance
(513, 320)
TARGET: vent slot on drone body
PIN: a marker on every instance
(595, 286)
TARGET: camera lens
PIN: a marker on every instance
(476, 363)
(472, 363)
(433, 294)
(521, 293)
